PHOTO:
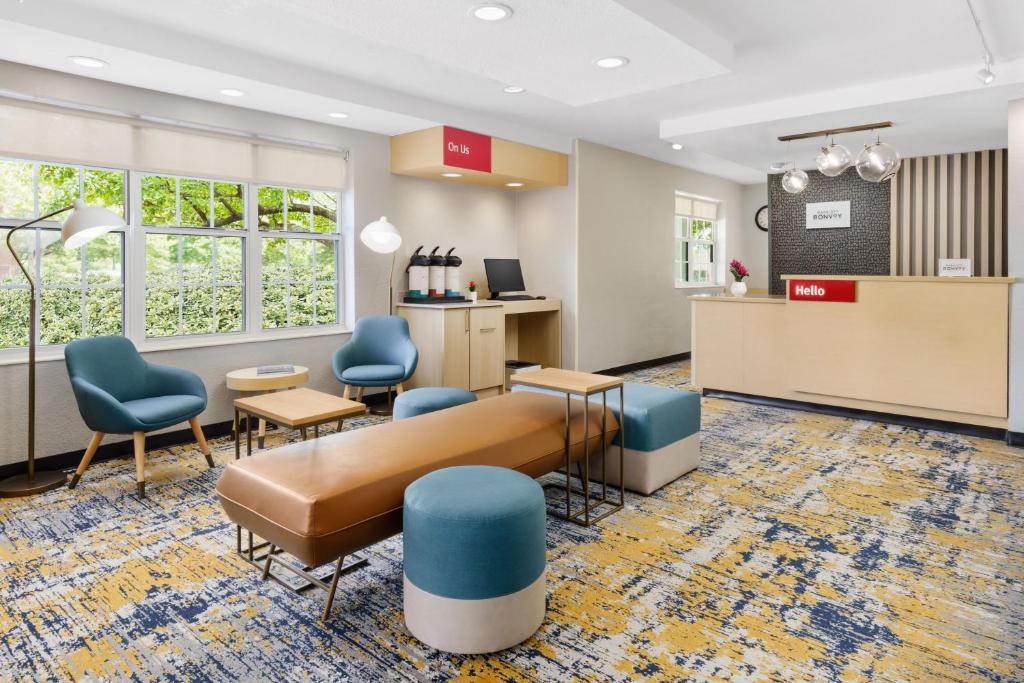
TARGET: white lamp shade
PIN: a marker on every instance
(87, 223)
(381, 236)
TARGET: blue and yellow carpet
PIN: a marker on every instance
(806, 547)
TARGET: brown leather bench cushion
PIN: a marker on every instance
(328, 497)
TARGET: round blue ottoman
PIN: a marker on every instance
(428, 399)
(473, 539)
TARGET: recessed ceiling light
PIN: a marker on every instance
(88, 62)
(513, 89)
(452, 175)
(514, 184)
(611, 62)
(676, 146)
(338, 115)
(232, 92)
(491, 12)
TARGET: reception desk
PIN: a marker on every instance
(925, 347)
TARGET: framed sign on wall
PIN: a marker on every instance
(828, 215)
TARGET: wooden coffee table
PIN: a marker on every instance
(585, 385)
(248, 381)
(296, 408)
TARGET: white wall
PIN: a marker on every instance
(479, 222)
(629, 309)
(546, 232)
(1015, 261)
(753, 247)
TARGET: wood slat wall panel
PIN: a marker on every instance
(949, 206)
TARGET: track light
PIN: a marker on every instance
(985, 74)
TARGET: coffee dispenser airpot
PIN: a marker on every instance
(434, 278)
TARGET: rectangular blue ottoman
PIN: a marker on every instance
(662, 435)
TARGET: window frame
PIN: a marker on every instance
(336, 237)
(133, 267)
(35, 265)
(716, 244)
(181, 231)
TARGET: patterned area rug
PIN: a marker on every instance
(806, 547)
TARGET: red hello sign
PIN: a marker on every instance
(463, 149)
(823, 290)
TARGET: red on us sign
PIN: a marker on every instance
(823, 290)
(463, 149)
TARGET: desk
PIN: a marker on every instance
(533, 331)
(926, 347)
(465, 345)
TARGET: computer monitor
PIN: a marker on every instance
(503, 275)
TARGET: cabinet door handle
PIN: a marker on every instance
(467, 321)
(487, 329)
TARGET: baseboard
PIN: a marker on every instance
(857, 414)
(126, 449)
(1015, 439)
(643, 365)
(117, 449)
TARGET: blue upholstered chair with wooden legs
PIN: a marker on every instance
(379, 354)
(120, 393)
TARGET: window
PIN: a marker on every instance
(211, 256)
(696, 241)
(195, 255)
(80, 291)
(298, 256)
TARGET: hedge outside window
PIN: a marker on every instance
(299, 266)
(81, 291)
(195, 260)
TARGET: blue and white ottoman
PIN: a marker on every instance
(662, 435)
(473, 540)
(429, 399)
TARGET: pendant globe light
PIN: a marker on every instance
(794, 181)
(833, 159)
(878, 162)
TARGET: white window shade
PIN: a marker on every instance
(684, 206)
(696, 207)
(54, 136)
(708, 210)
(60, 135)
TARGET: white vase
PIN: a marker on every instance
(471, 296)
(738, 288)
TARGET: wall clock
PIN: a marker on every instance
(761, 218)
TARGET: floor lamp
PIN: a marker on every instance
(84, 224)
(383, 238)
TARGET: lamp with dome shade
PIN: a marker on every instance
(383, 237)
(85, 223)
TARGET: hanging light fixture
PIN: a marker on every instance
(878, 162)
(794, 181)
(833, 159)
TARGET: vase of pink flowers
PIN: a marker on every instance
(739, 271)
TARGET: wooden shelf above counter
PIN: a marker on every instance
(480, 159)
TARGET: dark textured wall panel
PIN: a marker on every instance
(861, 249)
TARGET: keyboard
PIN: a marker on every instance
(516, 297)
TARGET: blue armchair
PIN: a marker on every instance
(380, 353)
(120, 393)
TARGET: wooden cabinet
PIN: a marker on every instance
(459, 346)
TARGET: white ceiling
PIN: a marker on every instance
(722, 77)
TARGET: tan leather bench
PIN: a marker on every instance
(323, 499)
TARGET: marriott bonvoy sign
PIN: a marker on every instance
(823, 290)
(828, 215)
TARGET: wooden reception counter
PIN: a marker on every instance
(925, 347)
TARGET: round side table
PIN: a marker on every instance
(248, 383)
